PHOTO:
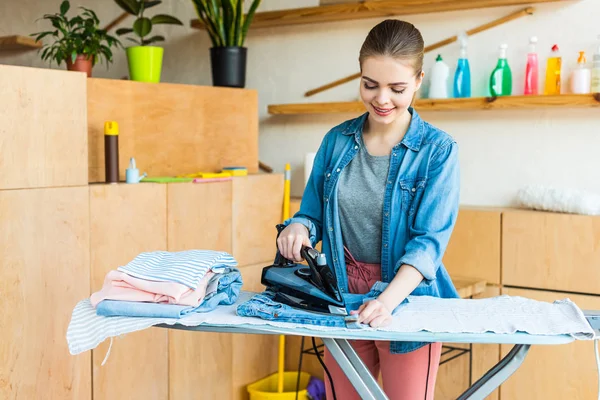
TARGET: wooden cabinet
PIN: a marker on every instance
(551, 251)
(172, 129)
(554, 372)
(43, 134)
(126, 220)
(44, 272)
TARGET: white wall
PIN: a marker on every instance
(500, 150)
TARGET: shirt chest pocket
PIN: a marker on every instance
(411, 191)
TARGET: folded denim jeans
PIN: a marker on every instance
(228, 287)
(263, 305)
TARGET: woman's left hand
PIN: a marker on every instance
(373, 313)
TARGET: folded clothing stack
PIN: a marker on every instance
(169, 284)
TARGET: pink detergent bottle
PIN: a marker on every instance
(531, 70)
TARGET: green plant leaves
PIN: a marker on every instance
(153, 39)
(225, 21)
(64, 7)
(123, 31)
(142, 26)
(149, 4)
(165, 19)
(130, 6)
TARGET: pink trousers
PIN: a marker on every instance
(408, 376)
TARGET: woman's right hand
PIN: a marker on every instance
(291, 240)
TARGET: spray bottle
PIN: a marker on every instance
(501, 79)
(581, 76)
(462, 77)
(531, 70)
(596, 71)
(553, 72)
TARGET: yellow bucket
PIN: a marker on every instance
(266, 388)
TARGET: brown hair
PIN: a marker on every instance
(395, 38)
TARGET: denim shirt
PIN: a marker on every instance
(420, 205)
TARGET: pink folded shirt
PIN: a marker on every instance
(121, 286)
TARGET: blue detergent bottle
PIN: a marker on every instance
(462, 77)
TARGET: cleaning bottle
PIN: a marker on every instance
(462, 77)
(596, 71)
(581, 76)
(501, 78)
(531, 69)
(553, 72)
(438, 88)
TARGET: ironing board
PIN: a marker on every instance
(366, 385)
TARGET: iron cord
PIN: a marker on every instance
(324, 367)
(428, 368)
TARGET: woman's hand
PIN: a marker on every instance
(373, 313)
(291, 240)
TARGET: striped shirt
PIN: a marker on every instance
(187, 267)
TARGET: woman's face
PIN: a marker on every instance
(387, 87)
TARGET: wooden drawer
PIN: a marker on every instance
(554, 372)
(125, 221)
(44, 272)
(474, 247)
(551, 251)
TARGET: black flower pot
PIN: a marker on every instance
(228, 66)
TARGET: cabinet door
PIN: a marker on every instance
(199, 217)
(44, 132)
(44, 273)
(257, 209)
(551, 251)
(125, 221)
(554, 372)
(254, 356)
(474, 247)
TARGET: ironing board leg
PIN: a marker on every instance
(497, 374)
(356, 371)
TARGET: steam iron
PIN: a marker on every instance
(309, 288)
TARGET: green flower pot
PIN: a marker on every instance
(145, 63)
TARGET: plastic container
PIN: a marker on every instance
(596, 71)
(501, 78)
(581, 77)
(438, 88)
(266, 388)
(553, 72)
(462, 77)
(111, 151)
(531, 69)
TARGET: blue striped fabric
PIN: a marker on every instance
(187, 267)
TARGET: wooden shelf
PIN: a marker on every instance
(370, 9)
(17, 42)
(473, 103)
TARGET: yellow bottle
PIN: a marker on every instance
(553, 72)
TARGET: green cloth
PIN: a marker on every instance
(166, 179)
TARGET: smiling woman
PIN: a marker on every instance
(373, 199)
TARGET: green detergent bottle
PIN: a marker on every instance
(501, 79)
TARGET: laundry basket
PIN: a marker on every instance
(266, 388)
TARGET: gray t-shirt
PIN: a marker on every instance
(360, 201)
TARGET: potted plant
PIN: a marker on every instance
(79, 42)
(145, 61)
(227, 27)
